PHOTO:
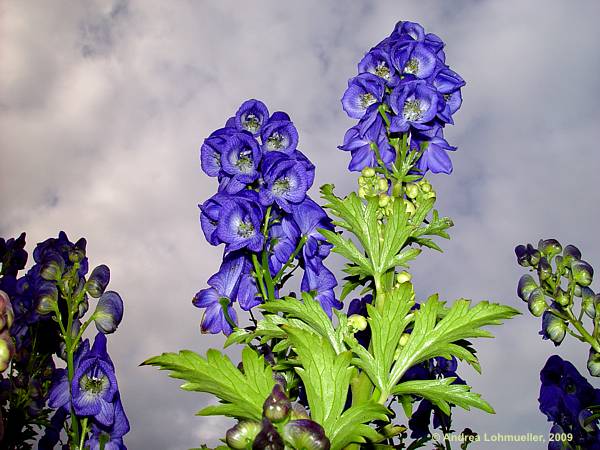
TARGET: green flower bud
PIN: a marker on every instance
(425, 186)
(7, 315)
(588, 303)
(549, 248)
(97, 281)
(534, 255)
(47, 299)
(77, 253)
(525, 287)
(298, 412)
(363, 182)
(553, 327)
(582, 272)
(368, 172)
(305, 434)
(562, 297)
(382, 184)
(593, 363)
(384, 200)
(429, 195)
(7, 350)
(537, 302)
(53, 267)
(412, 190)
(277, 406)
(397, 189)
(362, 192)
(357, 323)
(404, 339)
(242, 435)
(544, 269)
(403, 277)
(410, 207)
(571, 253)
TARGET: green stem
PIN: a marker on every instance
(224, 302)
(83, 432)
(259, 276)
(579, 327)
(290, 260)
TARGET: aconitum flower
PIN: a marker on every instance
(321, 284)
(251, 116)
(212, 149)
(415, 59)
(285, 181)
(59, 390)
(378, 62)
(223, 291)
(363, 91)
(309, 217)
(239, 160)
(283, 239)
(97, 281)
(434, 157)
(239, 224)
(112, 436)
(109, 312)
(94, 384)
(279, 135)
(415, 104)
(12, 255)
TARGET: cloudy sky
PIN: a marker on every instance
(104, 105)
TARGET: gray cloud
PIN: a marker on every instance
(103, 106)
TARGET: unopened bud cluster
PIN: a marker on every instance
(560, 282)
(7, 345)
(284, 425)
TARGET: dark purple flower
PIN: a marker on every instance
(13, 255)
(69, 252)
(251, 116)
(210, 211)
(279, 135)
(113, 434)
(240, 223)
(94, 384)
(359, 139)
(308, 166)
(223, 291)
(321, 283)
(378, 62)
(239, 160)
(285, 181)
(97, 281)
(283, 239)
(363, 91)
(434, 157)
(415, 104)
(109, 312)
(212, 149)
(59, 396)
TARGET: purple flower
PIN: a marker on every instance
(12, 255)
(283, 239)
(279, 135)
(239, 224)
(358, 140)
(59, 396)
(109, 312)
(251, 116)
(212, 149)
(210, 211)
(308, 166)
(239, 160)
(285, 181)
(113, 434)
(309, 217)
(363, 91)
(94, 384)
(223, 291)
(434, 157)
(413, 32)
(378, 62)
(415, 103)
(321, 284)
(416, 59)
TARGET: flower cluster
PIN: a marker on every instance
(566, 398)
(50, 303)
(403, 87)
(263, 216)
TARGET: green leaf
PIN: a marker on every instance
(326, 376)
(346, 248)
(242, 394)
(442, 393)
(430, 338)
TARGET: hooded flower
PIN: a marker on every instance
(239, 224)
(94, 384)
(309, 217)
(415, 104)
(239, 160)
(321, 282)
(378, 62)
(363, 91)
(223, 291)
(435, 157)
(251, 116)
(279, 135)
(112, 436)
(285, 181)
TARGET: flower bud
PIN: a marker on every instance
(298, 412)
(403, 277)
(522, 255)
(7, 315)
(562, 297)
(412, 190)
(425, 186)
(382, 184)
(544, 269)
(362, 192)
(53, 266)
(525, 287)
(277, 406)
(98, 280)
(397, 189)
(368, 172)
(357, 323)
(582, 272)
(537, 302)
(47, 299)
(571, 253)
(593, 363)
(305, 434)
(553, 328)
(109, 312)
(384, 200)
(83, 307)
(77, 252)
(7, 350)
(410, 207)
(534, 255)
(279, 379)
(404, 339)
(549, 248)
(268, 438)
(363, 182)
(242, 434)
(588, 302)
